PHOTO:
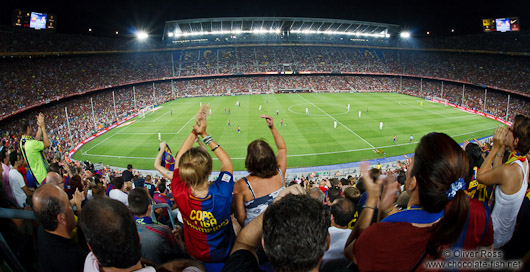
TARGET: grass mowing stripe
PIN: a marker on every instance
(311, 140)
(338, 122)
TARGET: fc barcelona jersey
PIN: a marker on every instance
(208, 232)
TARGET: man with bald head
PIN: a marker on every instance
(55, 179)
(56, 250)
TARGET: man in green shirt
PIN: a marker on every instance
(32, 149)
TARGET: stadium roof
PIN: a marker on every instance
(264, 25)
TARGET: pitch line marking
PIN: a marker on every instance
(422, 108)
(104, 140)
(373, 147)
(299, 113)
(296, 155)
(193, 117)
(119, 132)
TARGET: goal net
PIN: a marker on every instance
(440, 100)
(145, 111)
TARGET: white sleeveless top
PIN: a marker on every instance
(506, 209)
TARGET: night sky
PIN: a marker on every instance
(106, 17)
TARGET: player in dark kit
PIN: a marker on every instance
(394, 138)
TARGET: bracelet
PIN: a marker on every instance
(215, 148)
(194, 133)
(368, 207)
(207, 139)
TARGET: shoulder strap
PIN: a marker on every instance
(23, 148)
(249, 187)
(281, 176)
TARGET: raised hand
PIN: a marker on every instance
(499, 136)
(391, 190)
(40, 120)
(200, 126)
(269, 120)
(294, 190)
(78, 197)
(373, 189)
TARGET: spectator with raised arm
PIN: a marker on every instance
(255, 192)
(32, 149)
(511, 177)
(436, 213)
(205, 207)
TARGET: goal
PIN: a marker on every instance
(440, 100)
(145, 111)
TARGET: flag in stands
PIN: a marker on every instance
(168, 161)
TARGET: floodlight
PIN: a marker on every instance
(170, 34)
(404, 34)
(142, 35)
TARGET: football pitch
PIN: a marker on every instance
(311, 138)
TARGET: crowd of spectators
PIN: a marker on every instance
(440, 200)
(84, 122)
(39, 80)
(46, 41)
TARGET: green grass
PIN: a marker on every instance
(311, 139)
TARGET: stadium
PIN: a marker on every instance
(340, 92)
(251, 56)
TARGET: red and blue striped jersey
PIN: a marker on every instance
(208, 232)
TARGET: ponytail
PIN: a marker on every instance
(195, 166)
(440, 166)
(448, 229)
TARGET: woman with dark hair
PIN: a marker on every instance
(435, 215)
(474, 189)
(255, 192)
(510, 178)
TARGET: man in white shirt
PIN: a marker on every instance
(117, 193)
(16, 180)
(342, 211)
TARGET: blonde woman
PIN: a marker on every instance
(205, 207)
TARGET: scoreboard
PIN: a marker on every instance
(33, 20)
(500, 24)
